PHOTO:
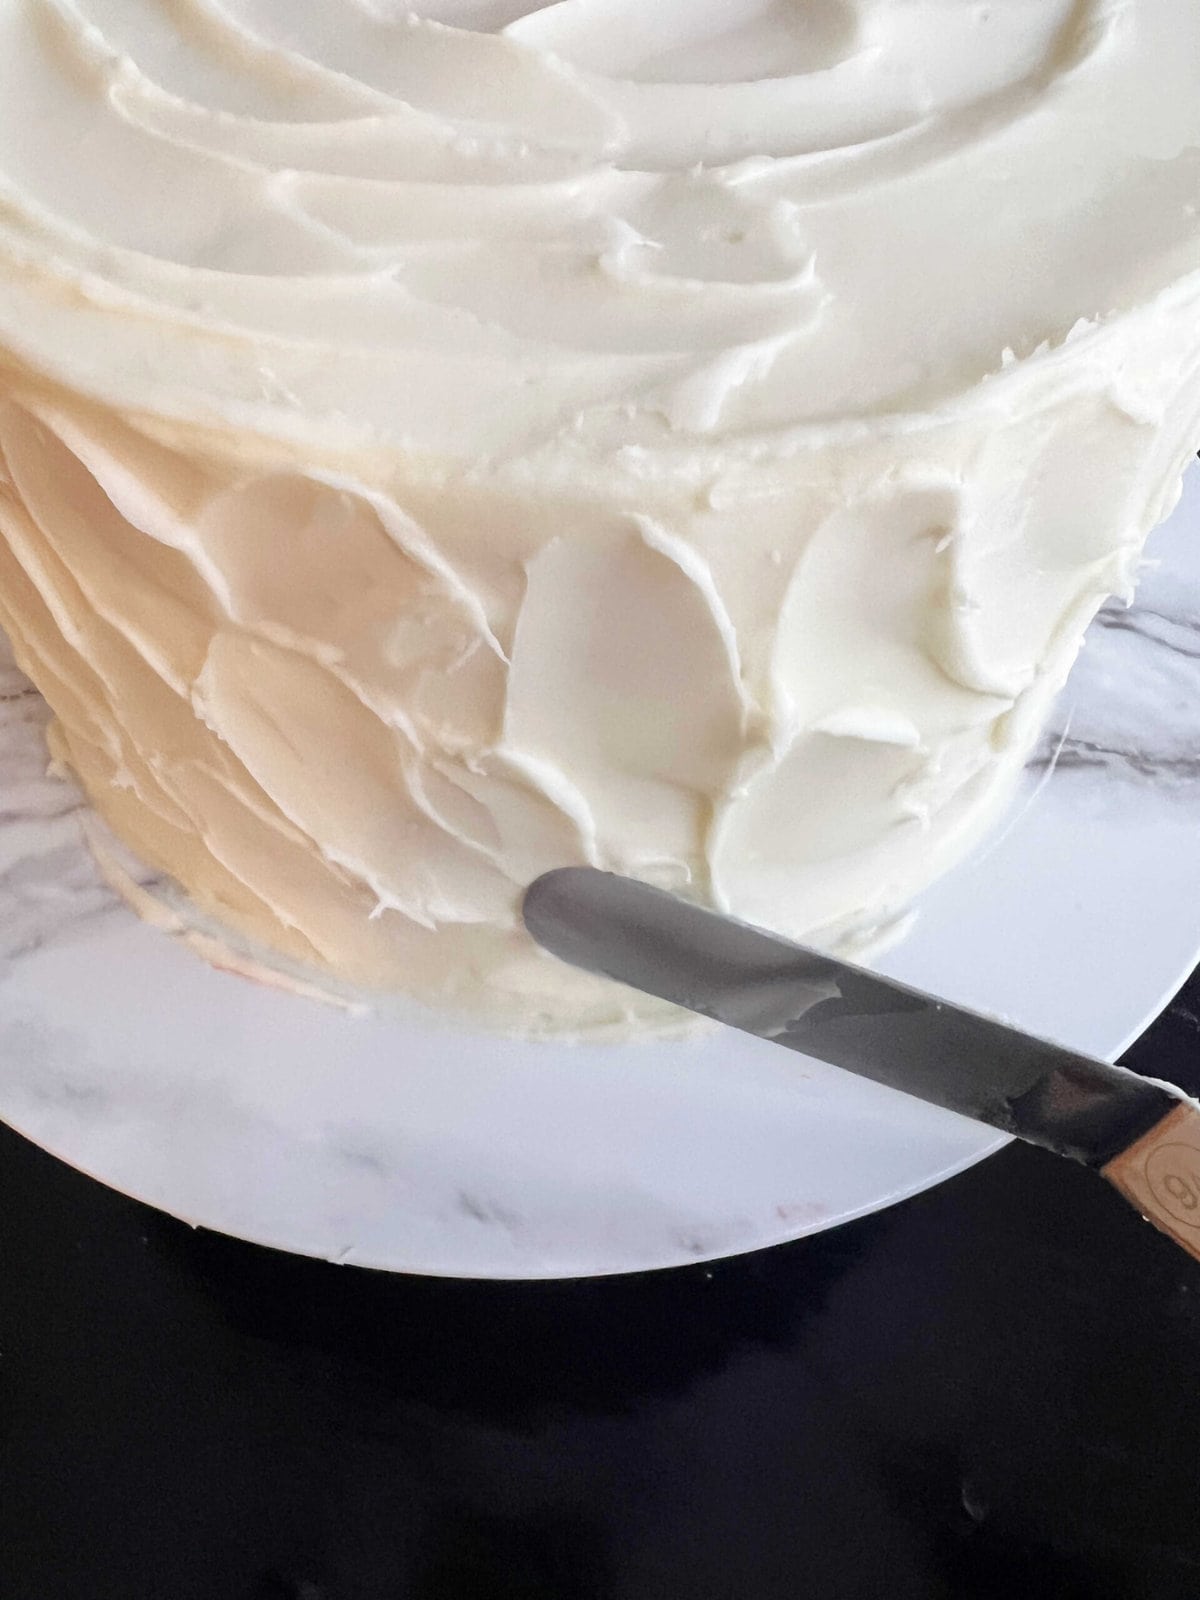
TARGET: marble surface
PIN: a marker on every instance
(399, 1143)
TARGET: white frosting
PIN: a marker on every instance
(443, 442)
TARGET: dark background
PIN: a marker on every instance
(990, 1391)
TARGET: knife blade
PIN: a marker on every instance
(1091, 1112)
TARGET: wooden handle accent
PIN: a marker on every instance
(1160, 1175)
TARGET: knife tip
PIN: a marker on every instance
(551, 903)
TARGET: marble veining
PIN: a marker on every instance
(1130, 710)
(50, 886)
(368, 1140)
(48, 882)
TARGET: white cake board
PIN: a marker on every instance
(403, 1146)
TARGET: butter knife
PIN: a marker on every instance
(1140, 1135)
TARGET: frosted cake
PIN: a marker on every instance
(443, 442)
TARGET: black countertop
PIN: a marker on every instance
(992, 1390)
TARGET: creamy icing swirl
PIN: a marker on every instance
(443, 442)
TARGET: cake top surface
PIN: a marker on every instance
(490, 227)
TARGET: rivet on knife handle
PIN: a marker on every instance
(1160, 1175)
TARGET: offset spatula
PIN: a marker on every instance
(1144, 1137)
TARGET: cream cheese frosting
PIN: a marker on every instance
(443, 442)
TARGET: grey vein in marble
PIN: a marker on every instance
(1132, 707)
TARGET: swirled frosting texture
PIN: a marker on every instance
(441, 442)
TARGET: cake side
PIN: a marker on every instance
(286, 691)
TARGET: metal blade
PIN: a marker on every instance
(842, 1014)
